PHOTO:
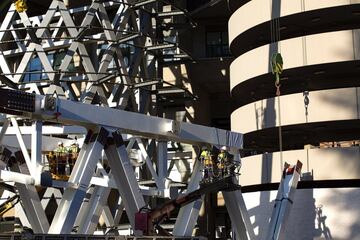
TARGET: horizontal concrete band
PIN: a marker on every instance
(297, 25)
(324, 105)
(341, 183)
(297, 80)
(333, 47)
(244, 18)
(318, 164)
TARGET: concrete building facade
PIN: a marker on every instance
(317, 111)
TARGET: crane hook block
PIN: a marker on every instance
(20, 5)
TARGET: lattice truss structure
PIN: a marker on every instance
(96, 62)
(98, 53)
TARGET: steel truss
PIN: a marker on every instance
(97, 61)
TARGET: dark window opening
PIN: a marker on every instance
(217, 44)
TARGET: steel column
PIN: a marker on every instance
(124, 176)
(80, 177)
(162, 162)
(239, 215)
(31, 203)
(94, 209)
(188, 215)
(36, 144)
(4, 128)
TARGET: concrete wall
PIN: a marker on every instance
(325, 164)
(315, 49)
(316, 213)
(244, 18)
(325, 105)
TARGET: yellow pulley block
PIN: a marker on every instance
(20, 6)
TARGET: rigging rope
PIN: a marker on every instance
(277, 68)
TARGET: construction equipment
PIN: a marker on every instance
(284, 201)
(9, 204)
(148, 220)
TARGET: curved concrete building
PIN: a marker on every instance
(320, 45)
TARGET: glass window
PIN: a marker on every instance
(217, 44)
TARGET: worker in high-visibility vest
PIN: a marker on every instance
(73, 154)
(61, 154)
(206, 159)
(222, 161)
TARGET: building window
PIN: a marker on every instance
(217, 44)
(35, 70)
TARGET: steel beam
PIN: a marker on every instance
(36, 145)
(69, 112)
(188, 214)
(239, 215)
(124, 176)
(31, 203)
(81, 175)
(284, 201)
(162, 162)
(98, 200)
(4, 128)
(23, 148)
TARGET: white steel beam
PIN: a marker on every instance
(49, 130)
(107, 216)
(81, 175)
(70, 112)
(36, 145)
(284, 201)
(87, 224)
(119, 211)
(124, 177)
(188, 214)
(31, 203)
(239, 215)
(10, 176)
(23, 148)
(149, 163)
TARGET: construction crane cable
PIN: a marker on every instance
(277, 68)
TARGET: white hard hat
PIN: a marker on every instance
(60, 143)
(223, 148)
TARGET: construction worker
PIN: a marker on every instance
(73, 154)
(222, 161)
(61, 154)
(206, 159)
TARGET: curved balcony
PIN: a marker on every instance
(248, 30)
(321, 61)
(325, 105)
(325, 164)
